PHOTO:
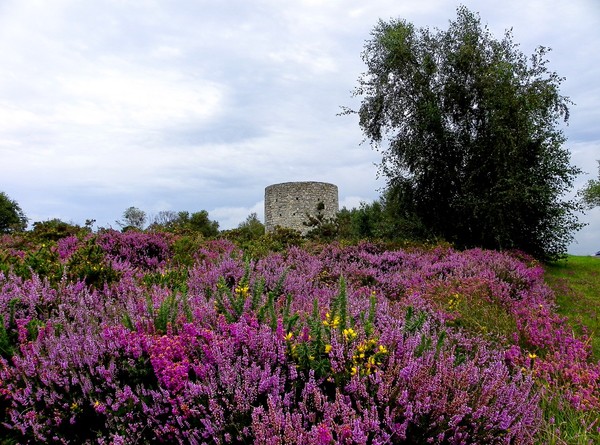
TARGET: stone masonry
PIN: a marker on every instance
(287, 204)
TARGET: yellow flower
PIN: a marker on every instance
(331, 323)
(354, 370)
(531, 356)
(242, 291)
(289, 336)
(453, 302)
(349, 334)
(383, 349)
(327, 349)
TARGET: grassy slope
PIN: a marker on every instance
(576, 283)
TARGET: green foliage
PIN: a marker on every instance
(247, 234)
(199, 222)
(413, 321)
(38, 258)
(364, 222)
(12, 218)
(185, 248)
(276, 241)
(323, 228)
(310, 350)
(44, 262)
(186, 223)
(311, 354)
(166, 318)
(252, 227)
(8, 336)
(468, 128)
(232, 300)
(385, 218)
(169, 311)
(55, 229)
(478, 312)
(339, 307)
(282, 238)
(369, 323)
(590, 194)
(175, 278)
(89, 263)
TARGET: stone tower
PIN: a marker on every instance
(287, 204)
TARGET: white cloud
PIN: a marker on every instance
(192, 105)
(587, 240)
(231, 217)
(353, 202)
(132, 98)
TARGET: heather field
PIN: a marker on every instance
(157, 338)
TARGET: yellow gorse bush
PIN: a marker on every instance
(331, 322)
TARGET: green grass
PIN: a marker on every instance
(564, 425)
(576, 283)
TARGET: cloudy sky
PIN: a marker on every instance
(194, 104)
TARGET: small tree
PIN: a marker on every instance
(133, 218)
(12, 218)
(590, 194)
(468, 130)
(164, 220)
(252, 227)
(321, 227)
(385, 218)
(200, 222)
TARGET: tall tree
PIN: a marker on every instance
(469, 132)
(12, 218)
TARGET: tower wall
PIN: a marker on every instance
(287, 204)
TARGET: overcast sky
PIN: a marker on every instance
(192, 105)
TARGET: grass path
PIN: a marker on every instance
(576, 283)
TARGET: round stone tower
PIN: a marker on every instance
(287, 204)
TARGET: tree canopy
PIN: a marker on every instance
(12, 218)
(468, 128)
(133, 218)
(184, 222)
(590, 194)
